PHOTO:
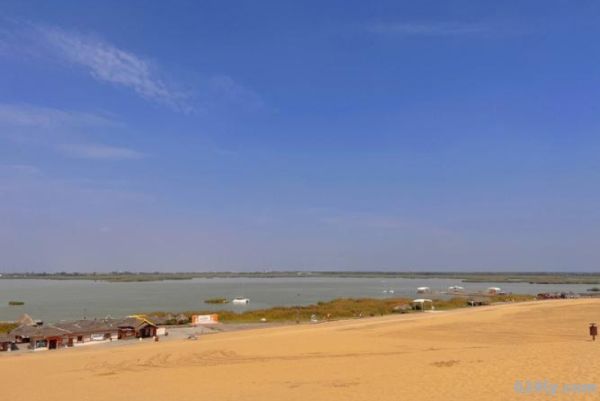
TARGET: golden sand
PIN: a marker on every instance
(468, 354)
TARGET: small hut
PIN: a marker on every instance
(40, 337)
(84, 332)
(421, 304)
(135, 327)
(478, 301)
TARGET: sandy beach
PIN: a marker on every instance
(468, 354)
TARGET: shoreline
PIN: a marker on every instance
(475, 354)
(179, 334)
(583, 278)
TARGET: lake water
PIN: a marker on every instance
(53, 300)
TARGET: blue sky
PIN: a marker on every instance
(245, 135)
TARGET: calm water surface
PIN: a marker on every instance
(53, 300)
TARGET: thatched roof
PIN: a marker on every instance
(163, 319)
(38, 331)
(25, 320)
(89, 326)
(134, 322)
(78, 327)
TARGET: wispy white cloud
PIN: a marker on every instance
(19, 169)
(112, 64)
(99, 152)
(25, 115)
(46, 127)
(431, 28)
(32, 125)
(108, 63)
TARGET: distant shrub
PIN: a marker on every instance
(16, 303)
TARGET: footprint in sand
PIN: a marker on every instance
(445, 364)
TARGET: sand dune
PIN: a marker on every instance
(470, 354)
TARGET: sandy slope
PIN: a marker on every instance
(469, 354)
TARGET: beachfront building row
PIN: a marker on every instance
(77, 333)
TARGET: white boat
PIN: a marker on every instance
(240, 301)
(456, 288)
(423, 290)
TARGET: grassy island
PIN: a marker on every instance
(216, 301)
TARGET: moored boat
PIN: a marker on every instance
(240, 301)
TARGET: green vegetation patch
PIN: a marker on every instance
(343, 308)
(7, 327)
(216, 301)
